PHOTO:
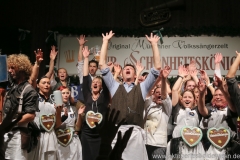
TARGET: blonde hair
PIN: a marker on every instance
(21, 63)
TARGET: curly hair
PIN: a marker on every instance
(21, 63)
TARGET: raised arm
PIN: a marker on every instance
(182, 72)
(193, 71)
(139, 68)
(103, 54)
(79, 118)
(217, 61)
(81, 41)
(53, 55)
(165, 72)
(85, 65)
(153, 39)
(222, 85)
(234, 67)
(117, 71)
(205, 77)
(201, 102)
(39, 58)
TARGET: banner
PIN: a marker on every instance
(3, 68)
(174, 51)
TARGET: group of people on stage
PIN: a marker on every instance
(122, 113)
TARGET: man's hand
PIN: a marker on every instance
(108, 36)
(166, 71)
(82, 40)
(218, 58)
(85, 52)
(39, 56)
(53, 53)
(153, 38)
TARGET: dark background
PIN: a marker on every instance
(92, 17)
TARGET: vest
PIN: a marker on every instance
(130, 105)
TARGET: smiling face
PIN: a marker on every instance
(219, 99)
(65, 95)
(188, 99)
(96, 85)
(157, 96)
(62, 74)
(128, 74)
(44, 86)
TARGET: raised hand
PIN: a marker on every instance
(166, 71)
(204, 76)
(39, 56)
(193, 73)
(81, 110)
(53, 53)
(183, 71)
(139, 67)
(120, 144)
(85, 52)
(110, 65)
(152, 38)
(217, 82)
(202, 86)
(192, 66)
(81, 40)
(110, 126)
(218, 58)
(238, 54)
(117, 67)
(107, 36)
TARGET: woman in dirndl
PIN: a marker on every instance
(186, 142)
(46, 120)
(217, 125)
(69, 145)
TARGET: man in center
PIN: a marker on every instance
(129, 98)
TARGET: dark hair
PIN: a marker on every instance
(188, 91)
(93, 61)
(185, 84)
(145, 73)
(128, 64)
(38, 80)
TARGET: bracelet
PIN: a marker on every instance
(210, 84)
(180, 76)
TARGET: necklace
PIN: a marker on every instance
(95, 97)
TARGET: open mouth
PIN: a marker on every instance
(95, 86)
(127, 72)
(159, 97)
(187, 102)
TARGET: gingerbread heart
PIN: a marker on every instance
(92, 117)
(191, 135)
(218, 137)
(47, 121)
(64, 137)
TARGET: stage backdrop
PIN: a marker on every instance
(174, 51)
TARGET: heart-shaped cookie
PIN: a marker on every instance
(219, 137)
(64, 137)
(92, 117)
(191, 135)
(47, 121)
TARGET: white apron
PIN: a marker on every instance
(185, 118)
(46, 148)
(135, 149)
(73, 151)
